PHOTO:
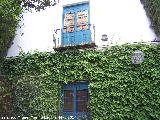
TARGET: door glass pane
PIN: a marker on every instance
(82, 20)
(82, 99)
(69, 22)
(68, 101)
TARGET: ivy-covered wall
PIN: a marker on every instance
(118, 89)
(5, 100)
(9, 18)
(152, 8)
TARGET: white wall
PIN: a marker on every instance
(122, 20)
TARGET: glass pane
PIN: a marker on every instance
(82, 99)
(68, 101)
(68, 22)
(82, 20)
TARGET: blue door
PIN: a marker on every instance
(76, 25)
(75, 100)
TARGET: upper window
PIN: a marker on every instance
(76, 24)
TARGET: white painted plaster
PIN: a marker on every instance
(122, 20)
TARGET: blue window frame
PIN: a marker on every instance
(76, 24)
(75, 100)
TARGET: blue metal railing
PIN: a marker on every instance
(78, 37)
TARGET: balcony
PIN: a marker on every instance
(82, 39)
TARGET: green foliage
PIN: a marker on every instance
(152, 8)
(38, 4)
(5, 103)
(35, 96)
(118, 89)
(9, 17)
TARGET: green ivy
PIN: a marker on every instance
(118, 89)
(5, 97)
(35, 96)
(9, 18)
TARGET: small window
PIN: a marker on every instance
(75, 99)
